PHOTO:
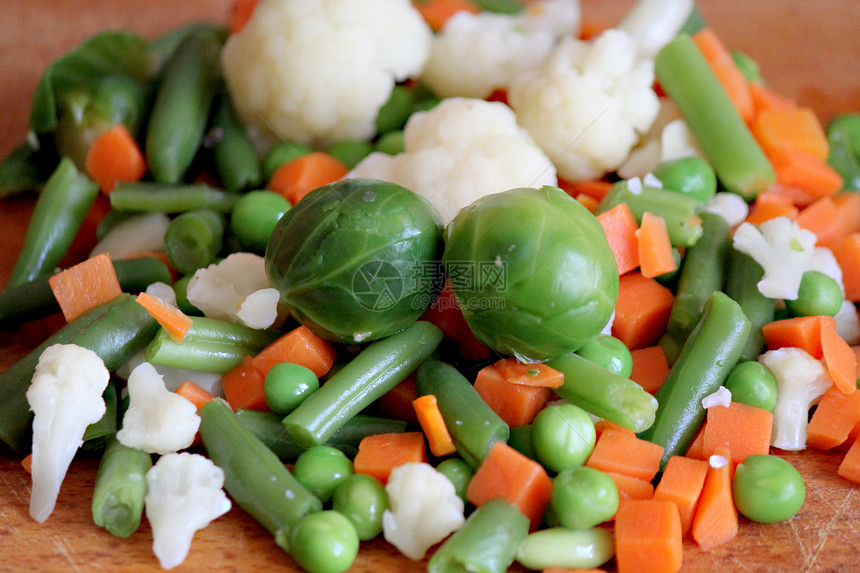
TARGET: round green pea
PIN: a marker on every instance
(287, 385)
(390, 142)
(324, 542)
(691, 176)
(752, 383)
(583, 497)
(254, 217)
(818, 294)
(362, 499)
(321, 469)
(610, 353)
(458, 472)
(563, 436)
(767, 488)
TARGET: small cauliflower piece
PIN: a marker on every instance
(801, 380)
(588, 104)
(459, 151)
(184, 494)
(157, 421)
(260, 308)
(144, 232)
(424, 509)
(668, 139)
(475, 54)
(730, 206)
(722, 397)
(653, 23)
(174, 377)
(319, 72)
(65, 396)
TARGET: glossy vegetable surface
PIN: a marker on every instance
(767, 488)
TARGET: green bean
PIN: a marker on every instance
(115, 330)
(351, 151)
(120, 488)
(394, 113)
(180, 287)
(567, 548)
(742, 279)
(711, 351)
(748, 66)
(189, 82)
(391, 143)
(148, 197)
(520, 439)
(500, 6)
(486, 543)
(235, 158)
(254, 477)
(702, 272)
(98, 433)
(21, 170)
(193, 239)
(843, 138)
(378, 368)
(604, 393)
(687, 78)
(57, 216)
(473, 425)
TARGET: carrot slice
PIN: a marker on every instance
(798, 332)
(720, 60)
(798, 168)
(85, 285)
(764, 98)
(648, 537)
(240, 14)
(770, 204)
(244, 386)
(431, 422)
(620, 227)
(625, 454)
(849, 467)
(379, 454)
(650, 367)
(298, 177)
(195, 393)
(839, 359)
(114, 156)
(790, 128)
(171, 319)
(630, 487)
(602, 425)
(655, 248)
(642, 311)
(834, 418)
(437, 12)
(300, 346)
(594, 188)
(681, 483)
(743, 429)
(847, 253)
(397, 402)
(716, 519)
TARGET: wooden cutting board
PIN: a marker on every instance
(808, 50)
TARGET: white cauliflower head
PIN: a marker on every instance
(459, 151)
(318, 72)
(588, 104)
(475, 54)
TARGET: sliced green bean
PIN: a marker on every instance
(120, 488)
(98, 433)
(235, 158)
(193, 239)
(742, 279)
(146, 196)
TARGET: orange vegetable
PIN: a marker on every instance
(847, 253)
(798, 168)
(650, 367)
(847, 218)
(655, 248)
(300, 346)
(764, 98)
(620, 227)
(834, 418)
(85, 285)
(379, 454)
(587, 201)
(770, 204)
(437, 12)
(194, 393)
(594, 188)
(631, 488)
(819, 217)
(642, 310)
(795, 128)
(508, 474)
(716, 519)
(397, 402)
(839, 359)
(744, 430)
(516, 404)
(628, 455)
(240, 14)
(171, 319)
(720, 60)
(445, 313)
(27, 463)
(114, 156)
(799, 332)
(295, 179)
(602, 425)
(849, 467)
(431, 422)
(243, 386)
(681, 483)
(696, 450)
(527, 373)
(648, 537)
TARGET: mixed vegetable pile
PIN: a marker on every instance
(453, 273)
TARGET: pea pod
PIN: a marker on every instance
(120, 488)
(235, 158)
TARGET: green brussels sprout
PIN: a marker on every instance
(354, 260)
(532, 271)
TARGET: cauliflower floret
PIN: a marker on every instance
(319, 72)
(588, 104)
(157, 420)
(653, 23)
(184, 494)
(143, 232)
(668, 139)
(424, 509)
(174, 377)
(475, 54)
(459, 151)
(66, 397)
(730, 206)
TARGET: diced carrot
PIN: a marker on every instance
(588, 202)
(595, 188)
(437, 12)
(650, 367)
(838, 358)
(642, 311)
(696, 449)
(244, 386)
(445, 313)
(818, 217)
(847, 253)
(526, 373)
(648, 537)
(240, 14)
(601, 425)
(792, 195)
(85, 285)
(516, 404)
(833, 419)
(431, 422)
(724, 67)
(629, 455)
(655, 248)
(506, 473)
(380, 453)
(630, 487)
(770, 204)
(681, 483)
(300, 346)
(620, 227)
(195, 393)
(397, 402)
(114, 156)
(743, 429)
(847, 218)
(849, 467)
(470, 347)
(570, 570)
(27, 463)
(790, 128)
(592, 26)
(764, 98)
(801, 169)
(298, 177)
(716, 519)
(171, 319)
(799, 332)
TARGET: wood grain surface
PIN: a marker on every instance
(808, 50)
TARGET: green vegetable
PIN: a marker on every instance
(281, 153)
(459, 472)
(748, 66)
(608, 352)
(752, 383)
(391, 143)
(120, 488)
(500, 6)
(23, 169)
(354, 260)
(742, 279)
(193, 239)
(818, 294)
(147, 196)
(583, 497)
(767, 488)
(711, 351)
(376, 370)
(99, 433)
(561, 547)
(843, 139)
(394, 113)
(532, 271)
(287, 385)
(324, 542)
(521, 440)
(362, 499)
(473, 425)
(180, 287)
(562, 436)
(692, 176)
(350, 152)
(321, 469)
(235, 158)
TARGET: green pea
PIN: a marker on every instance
(583, 497)
(350, 152)
(562, 436)
(459, 472)
(390, 143)
(287, 385)
(321, 469)
(691, 176)
(752, 383)
(324, 542)
(819, 294)
(281, 153)
(254, 217)
(767, 488)
(610, 353)
(362, 499)
(394, 113)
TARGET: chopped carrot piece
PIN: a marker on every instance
(594, 188)
(630, 487)
(601, 425)
(764, 98)
(114, 156)
(801, 169)
(655, 248)
(298, 177)
(642, 311)
(27, 463)
(716, 518)
(849, 467)
(799, 332)
(847, 219)
(834, 418)
(171, 319)
(770, 204)
(240, 14)
(526, 373)
(839, 359)
(445, 313)
(195, 393)
(681, 483)
(818, 217)
(625, 454)
(650, 367)
(300, 346)
(516, 404)
(437, 12)
(620, 227)
(85, 285)
(588, 202)
(431, 422)
(696, 449)
(743, 429)
(847, 253)
(720, 60)
(397, 402)
(380, 453)
(244, 386)
(648, 537)
(790, 128)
